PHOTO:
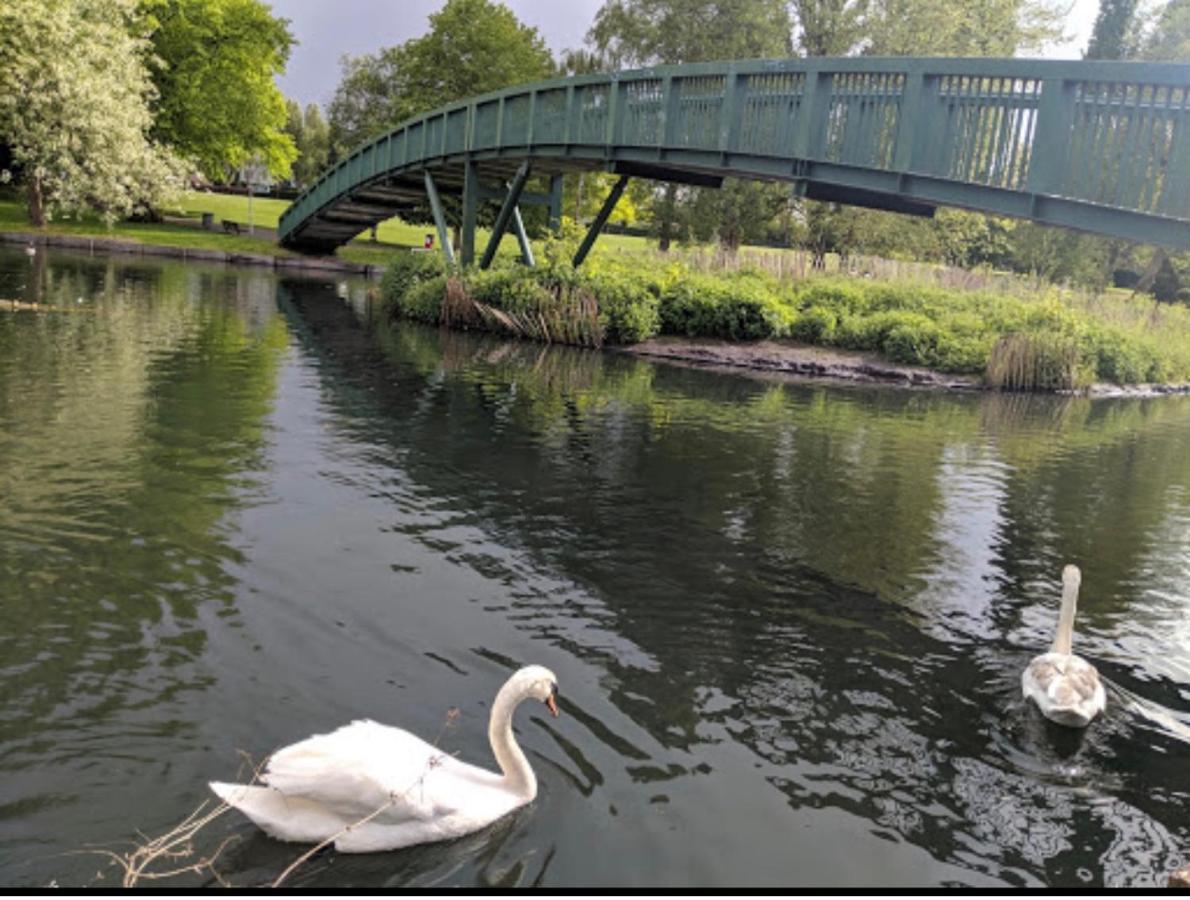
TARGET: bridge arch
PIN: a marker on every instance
(1100, 146)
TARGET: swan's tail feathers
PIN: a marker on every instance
(282, 817)
(229, 793)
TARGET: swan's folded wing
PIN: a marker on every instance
(1063, 680)
(359, 769)
(1082, 680)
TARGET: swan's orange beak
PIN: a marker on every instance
(552, 704)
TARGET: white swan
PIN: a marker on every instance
(1065, 687)
(407, 791)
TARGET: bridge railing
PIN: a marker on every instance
(1107, 133)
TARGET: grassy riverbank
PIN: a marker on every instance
(1005, 329)
(182, 229)
(1040, 338)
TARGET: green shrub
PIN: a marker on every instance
(914, 345)
(512, 289)
(869, 332)
(1124, 359)
(628, 311)
(962, 354)
(423, 301)
(739, 308)
(815, 325)
(408, 269)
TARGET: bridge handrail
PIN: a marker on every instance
(1046, 127)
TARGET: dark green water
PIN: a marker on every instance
(788, 619)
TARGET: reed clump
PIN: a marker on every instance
(1027, 362)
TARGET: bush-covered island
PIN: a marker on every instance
(1043, 340)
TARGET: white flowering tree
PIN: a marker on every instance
(74, 109)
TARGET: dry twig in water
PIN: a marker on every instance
(175, 845)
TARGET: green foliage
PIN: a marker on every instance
(829, 27)
(1169, 38)
(741, 211)
(422, 302)
(816, 325)
(407, 270)
(1114, 30)
(472, 47)
(218, 105)
(647, 32)
(739, 307)
(74, 109)
(629, 310)
(971, 28)
(515, 290)
(311, 136)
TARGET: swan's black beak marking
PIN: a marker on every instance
(551, 700)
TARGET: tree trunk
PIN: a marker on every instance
(36, 202)
(1150, 275)
(667, 218)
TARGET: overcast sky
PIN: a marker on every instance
(326, 29)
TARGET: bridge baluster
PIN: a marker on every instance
(1051, 137)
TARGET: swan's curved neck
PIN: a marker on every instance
(1064, 639)
(518, 775)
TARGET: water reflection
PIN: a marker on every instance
(131, 408)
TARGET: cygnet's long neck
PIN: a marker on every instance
(517, 773)
(1064, 639)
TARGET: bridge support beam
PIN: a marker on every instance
(505, 216)
(439, 219)
(600, 220)
(522, 238)
(555, 223)
(470, 211)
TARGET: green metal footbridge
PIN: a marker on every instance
(1098, 146)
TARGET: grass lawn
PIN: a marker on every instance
(394, 235)
(14, 218)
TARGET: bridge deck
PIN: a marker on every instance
(1094, 145)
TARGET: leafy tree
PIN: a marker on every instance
(1113, 32)
(311, 136)
(946, 28)
(74, 109)
(473, 46)
(829, 27)
(218, 105)
(1170, 38)
(969, 240)
(647, 32)
(371, 97)
(742, 211)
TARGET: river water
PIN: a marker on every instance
(788, 619)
